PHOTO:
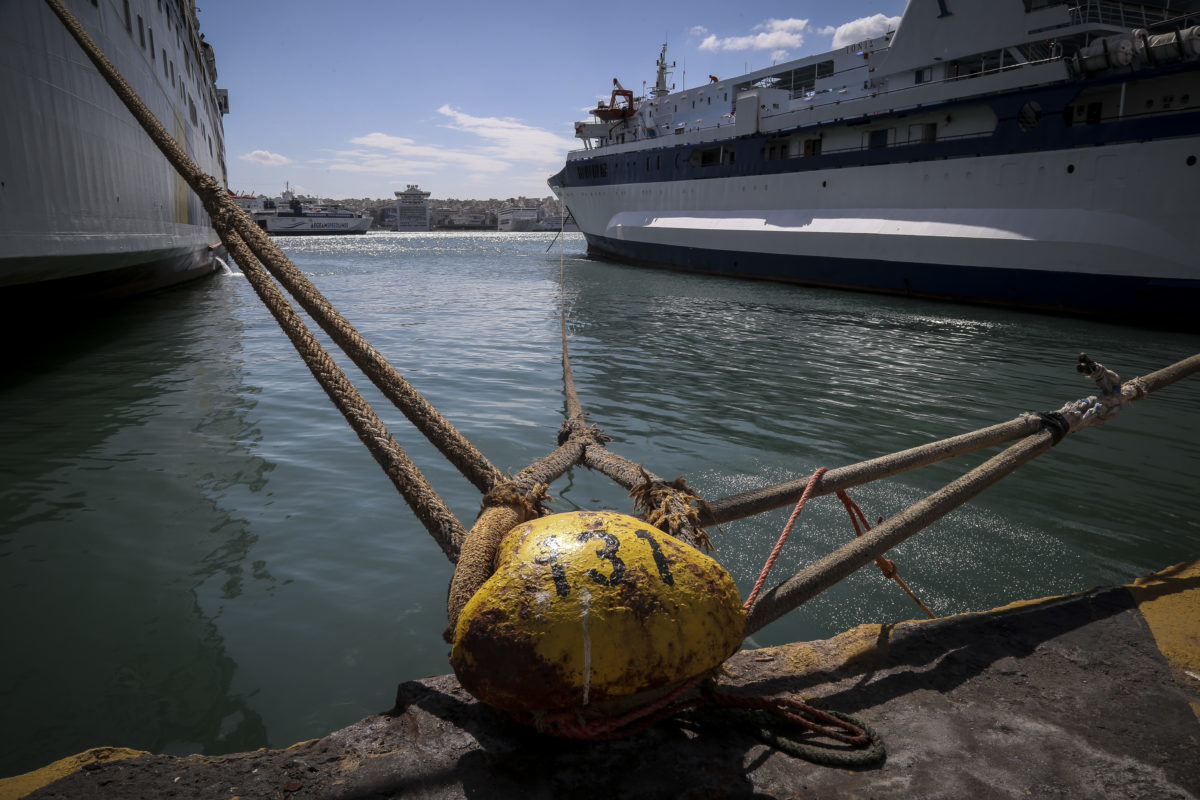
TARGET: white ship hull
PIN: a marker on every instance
(280, 225)
(88, 203)
(1004, 229)
(1049, 211)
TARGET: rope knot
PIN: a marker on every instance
(672, 507)
(528, 505)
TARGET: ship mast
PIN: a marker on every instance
(660, 83)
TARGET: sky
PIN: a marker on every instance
(471, 99)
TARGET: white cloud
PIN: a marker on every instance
(266, 158)
(863, 28)
(774, 35)
(510, 138)
(698, 30)
(504, 146)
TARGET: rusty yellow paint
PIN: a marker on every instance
(1170, 603)
(21, 785)
(586, 607)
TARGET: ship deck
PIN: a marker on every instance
(1095, 694)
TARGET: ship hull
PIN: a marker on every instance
(89, 204)
(1107, 231)
(284, 226)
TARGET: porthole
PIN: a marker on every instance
(1191, 161)
(1070, 168)
(824, 184)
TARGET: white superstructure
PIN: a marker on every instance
(1020, 152)
(88, 204)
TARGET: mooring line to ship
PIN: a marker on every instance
(508, 501)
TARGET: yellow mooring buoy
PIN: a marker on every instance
(592, 607)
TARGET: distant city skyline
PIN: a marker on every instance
(477, 102)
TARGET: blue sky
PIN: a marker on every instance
(470, 99)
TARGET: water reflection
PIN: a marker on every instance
(106, 541)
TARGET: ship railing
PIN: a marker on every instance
(668, 130)
(1115, 12)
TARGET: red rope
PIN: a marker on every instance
(886, 565)
(787, 529)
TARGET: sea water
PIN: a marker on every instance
(198, 555)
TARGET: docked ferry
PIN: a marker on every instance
(1030, 153)
(88, 205)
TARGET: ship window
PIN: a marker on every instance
(1094, 112)
(658, 162)
(165, 73)
(142, 31)
(192, 109)
(128, 19)
(775, 149)
(928, 132)
(711, 156)
(812, 147)
(1029, 115)
(877, 139)
(152, 56)
(172, 74)
(923, 75)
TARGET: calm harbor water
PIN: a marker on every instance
(197, 555)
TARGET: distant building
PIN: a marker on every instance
(412, 209)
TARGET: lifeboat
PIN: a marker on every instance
(612, 112)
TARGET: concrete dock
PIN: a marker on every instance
(1091, 695)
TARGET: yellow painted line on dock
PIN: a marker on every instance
(1170, 603)
(21, 785)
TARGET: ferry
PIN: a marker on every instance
(517, 218)
(89, 207)
(1039, 154)
(289, 215)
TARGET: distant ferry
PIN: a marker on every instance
(517, 218)
(88, 205)
(288, 215)
(1031, 153)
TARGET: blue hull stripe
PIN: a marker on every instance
(1117, 298)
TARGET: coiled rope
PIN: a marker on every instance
(509, 501)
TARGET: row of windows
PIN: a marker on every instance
(589, 171)
(777, 149)
(147, 33)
